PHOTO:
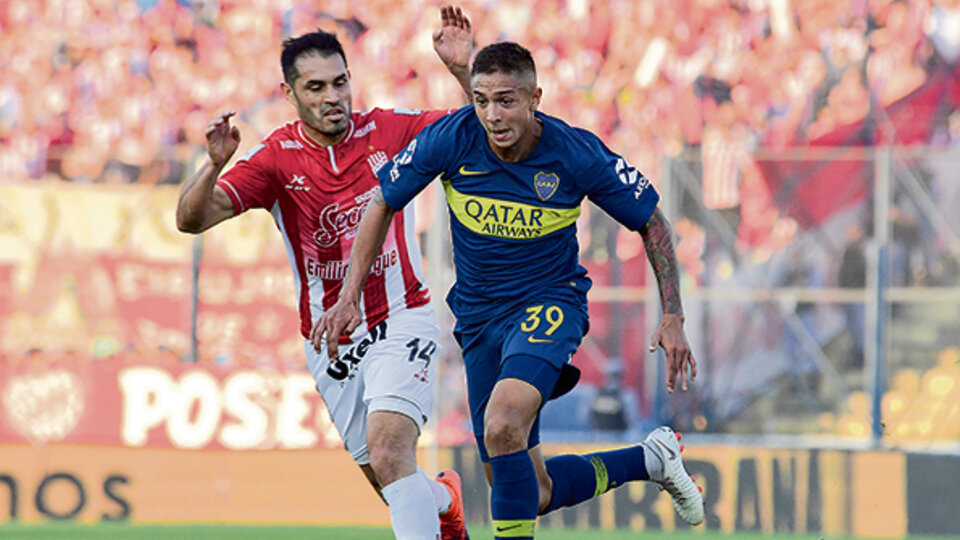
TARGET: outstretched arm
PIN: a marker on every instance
(669, 334)
(202, 203)
(344, 316)
(453, 42)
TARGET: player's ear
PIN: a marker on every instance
(288, 93)
(535, 99)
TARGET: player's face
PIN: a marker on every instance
(321, 95)
(505, 103)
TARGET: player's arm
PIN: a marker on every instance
(669, 334)
(344, 316)
(624, 193)
(453, 42)
(202, 203)
(401, 180)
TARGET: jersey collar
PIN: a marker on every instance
(306, 138)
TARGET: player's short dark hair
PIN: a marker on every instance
(319, 42)
(504, 57)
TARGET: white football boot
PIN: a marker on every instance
(672, 477)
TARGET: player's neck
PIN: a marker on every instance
(524, 146)
(321, 138)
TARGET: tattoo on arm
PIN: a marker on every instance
(663, 259)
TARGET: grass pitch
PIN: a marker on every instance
(114, 531)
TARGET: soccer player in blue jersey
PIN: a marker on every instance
(514, 180)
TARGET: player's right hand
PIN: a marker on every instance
(340, 320)
(222, 138)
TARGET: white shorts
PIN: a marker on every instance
(388, 368)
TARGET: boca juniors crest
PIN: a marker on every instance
(545, 184)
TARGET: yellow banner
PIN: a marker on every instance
(111, 483)
(763, 490)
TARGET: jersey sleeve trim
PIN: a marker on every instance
(231, 191)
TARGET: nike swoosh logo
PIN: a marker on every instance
(673, 455)
(501, 529)
(465, 172)
(532, 339)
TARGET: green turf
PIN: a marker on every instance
(72, 531)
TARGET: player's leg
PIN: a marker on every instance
(575, 478)
(398, 376)
(534, 342)
(515, 495)
(392, 443)
(392, 439)
(342, 393)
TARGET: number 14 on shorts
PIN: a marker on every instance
(422, 350)
(537, 317)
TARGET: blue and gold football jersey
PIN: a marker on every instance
(514, 224)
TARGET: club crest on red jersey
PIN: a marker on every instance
(377, 160)
(545, 184)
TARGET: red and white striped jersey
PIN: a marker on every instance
(317, 195)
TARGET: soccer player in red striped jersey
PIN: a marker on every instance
(316, 176)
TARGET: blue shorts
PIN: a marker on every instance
(533, 343)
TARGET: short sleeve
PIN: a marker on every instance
(427, 155)
(616, 186)
(248, 183)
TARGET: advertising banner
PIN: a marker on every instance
(88, 483)
(871, 494)
(167, 405)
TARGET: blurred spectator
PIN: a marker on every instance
(95, 91)
(852, 274)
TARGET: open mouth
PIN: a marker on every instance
(501, 134)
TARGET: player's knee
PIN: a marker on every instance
(391, 462)
(503, 435)
(392, 457)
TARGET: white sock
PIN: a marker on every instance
(440, 493)
(413, 508)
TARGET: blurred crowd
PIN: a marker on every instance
(121, 90)
(917, 407)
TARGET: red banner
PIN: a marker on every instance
(243, 310)
(102, 270)
(162, 405)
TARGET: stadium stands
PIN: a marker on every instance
(98, 93)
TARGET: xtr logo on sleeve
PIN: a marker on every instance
(507, 219)
(630, 176)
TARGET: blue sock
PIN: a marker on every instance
(577, 478)
(515, 497)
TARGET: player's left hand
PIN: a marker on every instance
(680, 361)
(453, 41)
(341, 319)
